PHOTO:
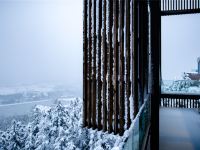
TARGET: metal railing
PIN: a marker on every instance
(173, 7)
(180, 100)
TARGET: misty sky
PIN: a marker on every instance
(41, 42)
(180, 45)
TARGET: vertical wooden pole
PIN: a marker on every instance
(116, 65)
(155, 61)
(184, 4)
(128, 82)
(162, 5)
(121, 109)
(94, 67)
(85, 63)
(99, 66)
(110, 66)
(135, 59)
(104, 69)
(89, 63)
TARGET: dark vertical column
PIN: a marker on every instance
(99, 66)
(85, 63)
(94, 67)
(104, 69)
(135, 59)
(168, 5)
(89, 72)
(116, 65)
(110, 66)
(155, 60)
(184, 4)
(121, 30)
(128, 82)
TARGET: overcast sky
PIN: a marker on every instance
(41, 41)
(180, 45)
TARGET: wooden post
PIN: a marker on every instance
(94, 67)
(155, 38)
(116, 65)
(89, 72)
(121, 30)
(85, 63)
(128, 82)
(99, 66)
(110, 66)
(135, 58)
(104, 69)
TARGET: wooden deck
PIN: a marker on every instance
(179, 129)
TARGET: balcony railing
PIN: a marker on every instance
(176, 7)
(180, 100)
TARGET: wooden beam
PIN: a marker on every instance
(110, 66)
(128, 82)
(121, 36)
(135, 57)
(89, 72)
(99, 66)
(116, 65)
(180, 12)
(155, 37)
(94, 66)
(85, 64)
(104, 68)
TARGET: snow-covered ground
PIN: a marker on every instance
(58, 127)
